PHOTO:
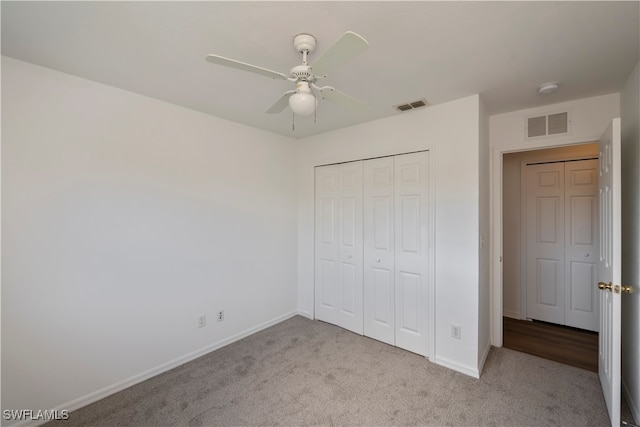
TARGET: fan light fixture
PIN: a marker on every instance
(302, 102)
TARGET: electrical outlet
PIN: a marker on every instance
(202, 321)
(456, 331)
(220, 315)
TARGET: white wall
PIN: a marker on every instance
(124, 219)
(589, 118)
(630, 117)
(450, 131)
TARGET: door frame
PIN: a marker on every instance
(496, 194)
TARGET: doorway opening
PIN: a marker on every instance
(539, 303)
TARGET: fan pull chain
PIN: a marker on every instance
(293, 121)
(315, 99)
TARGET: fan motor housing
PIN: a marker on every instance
(303, 73)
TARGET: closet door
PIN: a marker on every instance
(581, 244)
(545, 242)
(372, 248)
(379, 257)
(338, 269)
(411, 218)
(562, 243)
(326, 238)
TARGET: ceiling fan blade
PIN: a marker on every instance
(281, 103)
(221, 60)
(346, 48)
(340, 98)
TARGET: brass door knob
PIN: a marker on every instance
(615, 288)
(602, 286)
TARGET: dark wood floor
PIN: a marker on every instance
(563, 344)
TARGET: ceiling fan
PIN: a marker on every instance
(303, 100)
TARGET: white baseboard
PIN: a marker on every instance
(306, 314)
(87, 399)
(511, 314)
(467, 370)
(633, 405)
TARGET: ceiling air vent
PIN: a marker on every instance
(411, 105)
(549, 124)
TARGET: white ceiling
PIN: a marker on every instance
(440, 51)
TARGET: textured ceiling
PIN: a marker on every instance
(440, 51)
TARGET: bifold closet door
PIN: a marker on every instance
(379, 250)
(411, 204)
(562, 243)
(396, 261)
(581, 244)
(545, 242)
(338, 237)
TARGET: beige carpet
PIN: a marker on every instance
(304, 372)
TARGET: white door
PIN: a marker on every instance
(545, 242)
(338, 236)
(372, 248)
(379, 255)
(609, 269)
(581, 244)
(411, 205)
(561, 220)
(326, 238)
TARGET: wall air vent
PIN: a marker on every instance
(536, 126)
(547, 125)
(558, 123)
(411, 105)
